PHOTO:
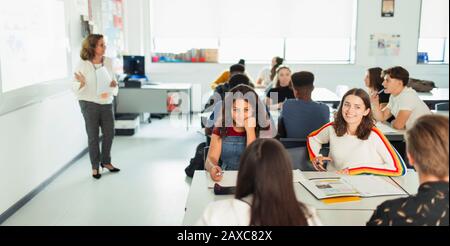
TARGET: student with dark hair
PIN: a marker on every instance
(427, 148)
(214, 102)
(264, 193)
(356, 145)
(267, 74)
(226, 75)
(282, 90)
(404, 103)
(301, 116)
(236, 79)
(242, 118)
(273, 71)
(374, 83)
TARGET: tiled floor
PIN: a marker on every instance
(151, 189)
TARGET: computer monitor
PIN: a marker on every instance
(134, 65)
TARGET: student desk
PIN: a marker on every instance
(437, 95)
(153, 99)
(344, 213)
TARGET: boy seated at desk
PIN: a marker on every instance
(301, 116)
(427, 148)
(404, 103)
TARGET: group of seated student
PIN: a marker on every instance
(281, 90)
(356, 146)
(265, 196)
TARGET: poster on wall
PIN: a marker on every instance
(387, 8)
(382, 44)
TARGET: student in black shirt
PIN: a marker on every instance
(283, 88)
(427, 147)
(374, 83)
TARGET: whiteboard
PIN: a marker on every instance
(33, 51)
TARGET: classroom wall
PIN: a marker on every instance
(38, 140)
(405, 22)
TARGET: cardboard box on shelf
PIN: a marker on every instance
(211, 55)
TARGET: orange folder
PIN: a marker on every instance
(341, 199)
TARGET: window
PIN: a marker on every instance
(433, 38)
(257, 30)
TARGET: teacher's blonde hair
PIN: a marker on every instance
(88, 47)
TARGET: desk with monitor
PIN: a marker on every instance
(153, 99)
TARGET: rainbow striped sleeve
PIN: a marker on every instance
(399, 165)
(311, 153)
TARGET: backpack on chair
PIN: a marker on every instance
(421, 85)
(198, 162)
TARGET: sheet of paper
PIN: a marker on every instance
(103, 81)
(369, 186)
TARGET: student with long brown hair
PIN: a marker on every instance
(356, 145)
(374, 83)
(243, 117)
(427, 148)
(264, 193)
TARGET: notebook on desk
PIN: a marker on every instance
(348, 186)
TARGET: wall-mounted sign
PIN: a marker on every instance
(387, 8)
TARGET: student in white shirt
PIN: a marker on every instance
(267, 74)
(356, 145)
(96, 106)
(404, 103)
(264, 193)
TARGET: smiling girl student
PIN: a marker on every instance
(356, 145)
(243, 117)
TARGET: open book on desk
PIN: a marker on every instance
(361, 186)
(229, 178)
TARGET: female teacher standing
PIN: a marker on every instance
(94, 87)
